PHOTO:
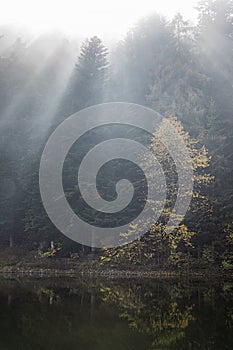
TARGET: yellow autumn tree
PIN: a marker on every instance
(159, 245)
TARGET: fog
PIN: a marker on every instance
(180, 65)
(103, 18)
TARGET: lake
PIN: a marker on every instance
(61, 314)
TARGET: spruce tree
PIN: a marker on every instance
(87, 86)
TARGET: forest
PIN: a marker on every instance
(183, 71)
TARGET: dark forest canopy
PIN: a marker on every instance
(181, 70)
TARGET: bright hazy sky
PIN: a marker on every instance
(87, 17)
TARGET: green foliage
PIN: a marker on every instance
(89, 79)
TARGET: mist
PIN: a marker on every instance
(179, 67)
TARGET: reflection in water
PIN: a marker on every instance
(123, 315)
(161, 314)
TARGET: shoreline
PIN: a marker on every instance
(162, 274)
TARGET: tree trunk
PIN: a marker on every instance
(11, 240)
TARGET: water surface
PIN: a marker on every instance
(119, 315)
